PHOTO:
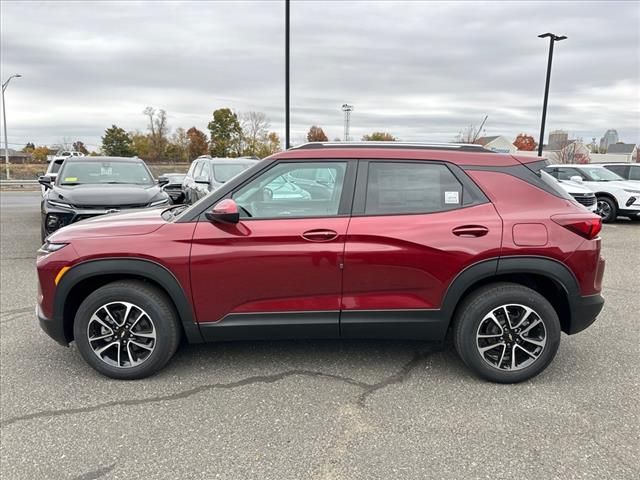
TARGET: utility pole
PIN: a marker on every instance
(4, 120)
(347, 109)
(287, 137)
(552, 39)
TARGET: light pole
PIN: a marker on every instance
(4, 120)
(287, 139)
(552, 38)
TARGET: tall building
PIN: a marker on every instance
(558, 139)
(610, 137)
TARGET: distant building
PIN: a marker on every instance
(498, 144)
(628, 149)
(558, 139)
(15, 156)
(573, 152)
(609, 138)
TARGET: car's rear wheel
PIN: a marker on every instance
(506, 333)
(127, 330)
(607, 209)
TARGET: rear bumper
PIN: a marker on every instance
(584, 312)
(53, 328)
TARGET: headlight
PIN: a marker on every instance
(50, 247)
(58, 204)
(164, 201)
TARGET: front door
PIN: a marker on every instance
(277, 273)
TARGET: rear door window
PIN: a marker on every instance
(634, 174)
(407, 188)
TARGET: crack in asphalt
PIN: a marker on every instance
(16, 310)
(368, 389)
(95, 474)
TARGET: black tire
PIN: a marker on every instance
(474, 310)
(43, 232)
(161, 315)
(610, 209)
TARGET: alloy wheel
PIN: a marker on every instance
(121, 334)
(511, 337)
(603, 209)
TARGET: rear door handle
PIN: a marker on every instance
(320, 235)
(470, 231)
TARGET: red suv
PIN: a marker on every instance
(398, 241)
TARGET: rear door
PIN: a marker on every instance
(277, 273)
(415, 226)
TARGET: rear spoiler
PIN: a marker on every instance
(535, 164)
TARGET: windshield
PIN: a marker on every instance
(598, 174)
(96, 172)
(223, 172)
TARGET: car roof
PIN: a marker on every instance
(227, 160)
(105, 159)
(461, 154)
(576, 165)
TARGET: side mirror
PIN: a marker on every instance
(225, 211)
(45, 181)
(202, 179)
(576, 178)
(162, 181)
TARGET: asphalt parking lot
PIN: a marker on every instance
(316, 410)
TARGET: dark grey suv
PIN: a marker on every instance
(207, 174)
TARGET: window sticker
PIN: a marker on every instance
(451, 198)
(71, 179)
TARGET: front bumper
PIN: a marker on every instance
(584, 312)
(52, 327)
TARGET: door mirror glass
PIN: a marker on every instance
(225, 211)
(576, 178)
(202, 179)
(162, 181)
(45, 181)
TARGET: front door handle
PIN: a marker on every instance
(470, 231)
(320, 235)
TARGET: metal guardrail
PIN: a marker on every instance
(18, 183)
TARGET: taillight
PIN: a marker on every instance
(587, 226)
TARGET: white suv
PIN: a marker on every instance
(581, 194)
(616, 196)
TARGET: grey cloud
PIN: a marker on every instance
(421, 70)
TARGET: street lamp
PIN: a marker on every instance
(552, 38)
(4, 120)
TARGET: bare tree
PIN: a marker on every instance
(158, 132)
(255, 128)
(467, 135)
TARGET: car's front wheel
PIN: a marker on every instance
(607, 209)
(506, 333)
(127, 330)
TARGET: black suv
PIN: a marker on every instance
(89, 186)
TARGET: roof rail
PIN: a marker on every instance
(463, 147)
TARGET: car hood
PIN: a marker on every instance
(136, 222)
(623, 184)
(106, 195)
(574, 187)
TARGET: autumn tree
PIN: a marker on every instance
(379, 137)
(316, 134)
(177, 149)
(141, 144)
(78, 146)
(269, 146)
(117, 143)
(225, 133)
(525, 142)
(158, 133)
(198, 143)
(39, 154)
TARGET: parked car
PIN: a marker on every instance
(628, 171)
(615, 195)
(64, 154)
(414, 242)
(207, 174)
(580, 193)
(90, 186)
(173, 186)
(52, 171)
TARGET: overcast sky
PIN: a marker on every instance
(419, 70)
